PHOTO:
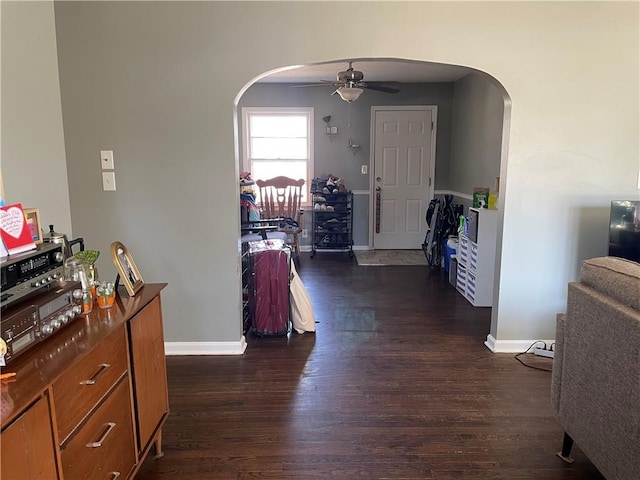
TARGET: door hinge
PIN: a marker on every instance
(429, 181)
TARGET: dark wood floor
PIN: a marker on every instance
(395, 384)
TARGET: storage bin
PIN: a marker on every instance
(453, 270)
(448, 251)
(461, 279)
(463, 250)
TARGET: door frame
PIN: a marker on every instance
(372, 139)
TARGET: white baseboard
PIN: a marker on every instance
(205, 348)
(511, 346)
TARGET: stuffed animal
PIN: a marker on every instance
(246, 183)
(329, 186)
(332, 185)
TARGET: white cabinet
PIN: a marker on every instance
(476, 259)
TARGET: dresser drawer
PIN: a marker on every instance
(87, 381)
(104, 447)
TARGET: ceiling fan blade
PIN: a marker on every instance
(380, 87)
(310, 85)
(325, 83)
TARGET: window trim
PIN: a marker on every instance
(275, 111)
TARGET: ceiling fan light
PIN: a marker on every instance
(350, 94)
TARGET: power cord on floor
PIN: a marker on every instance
(517, 356)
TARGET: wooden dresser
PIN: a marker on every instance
(89, 402)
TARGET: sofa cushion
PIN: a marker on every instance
(615, 277)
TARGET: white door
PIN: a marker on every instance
(403, 148)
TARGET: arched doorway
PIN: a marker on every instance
(472, 138)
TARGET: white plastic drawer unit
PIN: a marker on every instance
(472, 227)
(471, 287)
(461, 279)
(463, 247)
(473, 257)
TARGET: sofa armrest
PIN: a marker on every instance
(599, 377)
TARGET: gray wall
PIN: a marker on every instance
(478, 111)
(157, 81)
(479, 123)
(142, 79)
(33, 159)
(353, 120)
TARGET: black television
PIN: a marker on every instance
(624, 229)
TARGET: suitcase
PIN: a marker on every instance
(271, 263)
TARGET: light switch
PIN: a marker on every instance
(106, 159)
(109, 181)
(364, 169)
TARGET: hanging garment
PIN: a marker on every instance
(302, 314)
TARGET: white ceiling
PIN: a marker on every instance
(374, 70)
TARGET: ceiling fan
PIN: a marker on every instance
(350, 85)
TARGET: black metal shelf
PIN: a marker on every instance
(332, 216)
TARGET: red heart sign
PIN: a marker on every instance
(14, 229)
(12, 221)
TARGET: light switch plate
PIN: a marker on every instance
(106, 159)
(109, 181)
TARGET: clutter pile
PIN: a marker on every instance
(329, 186)
(249, 208)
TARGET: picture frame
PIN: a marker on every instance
(32, 216)
(127, 269)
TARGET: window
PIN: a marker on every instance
(278, 141)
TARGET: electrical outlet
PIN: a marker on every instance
(305, 232)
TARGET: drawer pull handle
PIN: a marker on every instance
(110, 427)
(114, 475)
(92, 381)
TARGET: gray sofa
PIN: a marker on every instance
(596, 372)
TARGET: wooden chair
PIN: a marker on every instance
(280, 200)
